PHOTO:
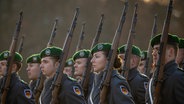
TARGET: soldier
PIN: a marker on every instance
(180, 55)
(19, 92)
(71, 91)
(119, 91)
(81, 58)
(80, 61)
(142, 63)
(33, 69)
(137, 81)
(173, 84)
(69, 69)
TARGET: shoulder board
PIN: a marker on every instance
(23, 82)
(181, 69)
(72, 79)
(143, 75)
(119, 76)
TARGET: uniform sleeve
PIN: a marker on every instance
(72, 94)
(120, 92)
(24, 95)
(179, 89)
(141, 90)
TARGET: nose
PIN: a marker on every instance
(92, 60)
(75, 65)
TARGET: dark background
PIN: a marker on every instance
(39, 16)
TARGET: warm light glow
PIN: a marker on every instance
(147, 1)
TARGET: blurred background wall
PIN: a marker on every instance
(39, 16)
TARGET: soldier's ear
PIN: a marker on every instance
(57, 64)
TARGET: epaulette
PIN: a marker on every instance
(119, 76)
(181, 69)
(23, 82)
(143, 75)
(72, 79)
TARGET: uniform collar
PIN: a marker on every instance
(169, 68)
(132, 73)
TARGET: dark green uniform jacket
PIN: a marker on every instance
(138, 84)
(70, 93)
(119, 92)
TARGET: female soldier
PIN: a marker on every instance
(119, 91)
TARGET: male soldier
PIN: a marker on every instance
(180, 55)
(172, 84)
(69, 69)
(142, 63)
(80, 61)
(19, 92)
(33, 69)
(137, 81)
(70, 92)
(80, 64)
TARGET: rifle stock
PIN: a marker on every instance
(105, 83)
(128, 48)
(56, 84)
(159, 75)
(10, 59)
(81, 38)
(86, 74)
(148, 63)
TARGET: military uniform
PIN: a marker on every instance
(19, 92)
(70, 93)
(32, 85)
(138, 84)
(173, 85)
(119, 92)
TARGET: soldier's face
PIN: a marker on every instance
(68, 70)
(3, 67)
(155, 53)
(98, 61)
(48, 66)
(141, 66)
(33, 70)
(80, 66)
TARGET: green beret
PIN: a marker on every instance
(122, 49)
(5, 54)
(69, 62)
(135, 50)
(181, 44)
(144, 55)
(81, 54)
(35, 58)
(172, 39)
(51, 51)
(101, 47)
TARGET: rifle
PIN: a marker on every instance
(81, 38)
(149, 56)
(128, 49)
(21, 45)
(53, 33)
(10, 60)
(159, 74)
(105, 83)
(56, 84)
(99, 30)
(40, 81)
(86, 74)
